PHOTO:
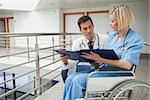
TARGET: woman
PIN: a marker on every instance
(123, 40)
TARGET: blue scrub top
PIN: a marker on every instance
(127, 49)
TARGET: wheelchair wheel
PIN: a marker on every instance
(131, 90)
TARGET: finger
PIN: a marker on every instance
(84, 53)
(85, 56)
(92, 53)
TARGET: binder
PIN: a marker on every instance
(76, 55)
(73, 55)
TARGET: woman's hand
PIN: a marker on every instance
(93, 56)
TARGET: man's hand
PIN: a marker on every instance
(64, 59)
(94, 64)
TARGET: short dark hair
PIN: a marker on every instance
(84, 19)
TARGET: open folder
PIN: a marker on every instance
(76, 55)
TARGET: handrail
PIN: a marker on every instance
(20, 98)
(26, 73)
(37, 59)
(30, 51)
(17, 65)
(36, 34)
(147, 43)
(28, 82)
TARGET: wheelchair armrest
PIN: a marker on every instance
(124, 73)
(110, 73)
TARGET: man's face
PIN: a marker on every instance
(113, 23)
(87, 29)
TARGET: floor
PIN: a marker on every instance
(54, 93)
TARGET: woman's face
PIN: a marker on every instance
(113, 23)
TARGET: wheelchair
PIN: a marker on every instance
(120, 85)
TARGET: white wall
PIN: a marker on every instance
(101, 22)
(37, 21)
(41, 21)
(106, 7)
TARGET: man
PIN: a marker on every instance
(86, 27)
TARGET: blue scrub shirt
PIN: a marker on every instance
(128, 49)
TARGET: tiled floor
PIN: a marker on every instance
(54, 93)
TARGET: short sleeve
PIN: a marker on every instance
(133, 50)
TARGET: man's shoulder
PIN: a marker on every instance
(103, 36)
(76, 43)
(78, 39)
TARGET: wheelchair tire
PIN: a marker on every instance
(131, 90)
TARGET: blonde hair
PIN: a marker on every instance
(123, 15)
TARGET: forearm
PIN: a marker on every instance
(118, 63)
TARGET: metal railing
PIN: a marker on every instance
(33, 47)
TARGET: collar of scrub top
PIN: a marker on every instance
(124, 40)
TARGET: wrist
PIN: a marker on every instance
(101, 60)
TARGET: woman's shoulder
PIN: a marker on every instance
(103, 36)
(134, 35)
